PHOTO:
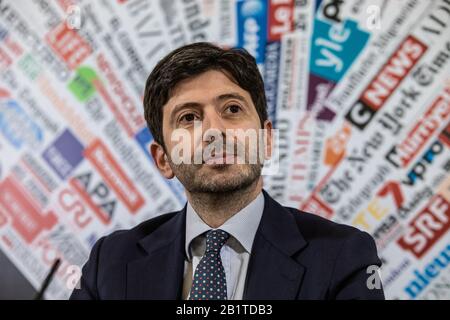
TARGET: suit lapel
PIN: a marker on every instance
(159, 274)
(272, 272)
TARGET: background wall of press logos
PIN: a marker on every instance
(359, 90)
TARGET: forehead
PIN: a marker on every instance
(204, 87)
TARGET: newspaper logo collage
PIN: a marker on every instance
(358, 90)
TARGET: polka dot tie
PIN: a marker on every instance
(209, 282)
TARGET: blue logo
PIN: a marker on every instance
(64, 154)
(334, 48)
(252, 27)
(17, 126)
(422, 279)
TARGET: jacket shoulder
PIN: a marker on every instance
(123, 242)
(340, 257)
(315, 228)
(310, 223)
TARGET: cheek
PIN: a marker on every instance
(251, 139)
(166, 135)
(184, 143)
(246, 122)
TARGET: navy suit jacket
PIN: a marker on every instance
(295, 255)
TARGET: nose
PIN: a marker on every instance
(213, 125)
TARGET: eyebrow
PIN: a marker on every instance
(222, 97)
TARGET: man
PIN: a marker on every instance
(231, 240)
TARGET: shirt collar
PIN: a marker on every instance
(242, 226)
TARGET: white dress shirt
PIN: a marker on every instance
(235, 253)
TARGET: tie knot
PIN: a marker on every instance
(215, 239)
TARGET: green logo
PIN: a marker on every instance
(82, 85)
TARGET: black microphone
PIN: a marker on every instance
(48, 279)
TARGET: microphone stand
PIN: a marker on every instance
(48, 279)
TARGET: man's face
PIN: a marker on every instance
(202, 111)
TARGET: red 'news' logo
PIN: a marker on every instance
(393, 72)
(385, 82)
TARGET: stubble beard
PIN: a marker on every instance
(224, 178)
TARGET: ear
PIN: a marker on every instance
(161, 161)
(269, 139)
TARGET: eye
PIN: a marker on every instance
(188, 117)
(233, 108)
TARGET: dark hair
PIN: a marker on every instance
(194, 59)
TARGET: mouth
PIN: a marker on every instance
(223, 159)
